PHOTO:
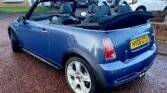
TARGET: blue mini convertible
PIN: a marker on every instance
(94, 47)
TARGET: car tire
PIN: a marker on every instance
(14, 42)
(165, 10)
(79, 76)
(141, 8)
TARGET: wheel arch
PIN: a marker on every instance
(91, 61)
(165, 8)
(10, 29)
(141, 6)
(75, 52)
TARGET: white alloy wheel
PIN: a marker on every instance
(78, 77)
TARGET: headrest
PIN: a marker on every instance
(104, 10)
(65, 8)
(92, 9)
(124, 8)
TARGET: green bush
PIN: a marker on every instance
(21, 9)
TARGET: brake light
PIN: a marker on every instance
(109, 50)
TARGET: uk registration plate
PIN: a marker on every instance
(138, 42)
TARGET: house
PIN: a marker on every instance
(13, 3)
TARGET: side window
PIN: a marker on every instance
(44, 9)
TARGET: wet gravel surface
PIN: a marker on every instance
(22, 73)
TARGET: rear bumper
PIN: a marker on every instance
(118, 72)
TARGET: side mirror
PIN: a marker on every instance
(83, 13)
(21, 19)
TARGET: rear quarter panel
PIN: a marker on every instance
(64, 39)
(90, 42)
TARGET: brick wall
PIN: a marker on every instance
(161, 31)
(159, 16)
(11, 4)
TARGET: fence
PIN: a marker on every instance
(161, 30)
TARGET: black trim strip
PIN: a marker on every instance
(42, 59)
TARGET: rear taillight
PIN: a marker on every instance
(109, 50)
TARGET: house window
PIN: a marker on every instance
(8, 1)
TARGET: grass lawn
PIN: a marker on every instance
(21, 9)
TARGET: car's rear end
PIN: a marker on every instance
(127, 53)
(134, 4)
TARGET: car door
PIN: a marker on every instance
(148, 4)
(162, 4)
(157, 5)
(35, 37)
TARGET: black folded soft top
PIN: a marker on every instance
(124, 20)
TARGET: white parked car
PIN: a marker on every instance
(147, 5)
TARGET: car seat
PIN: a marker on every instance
(94, 12)
(104, 10)
(66, 16)
(123, 8)
(66, 9)
(92, 9)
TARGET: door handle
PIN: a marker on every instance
(44, 30)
